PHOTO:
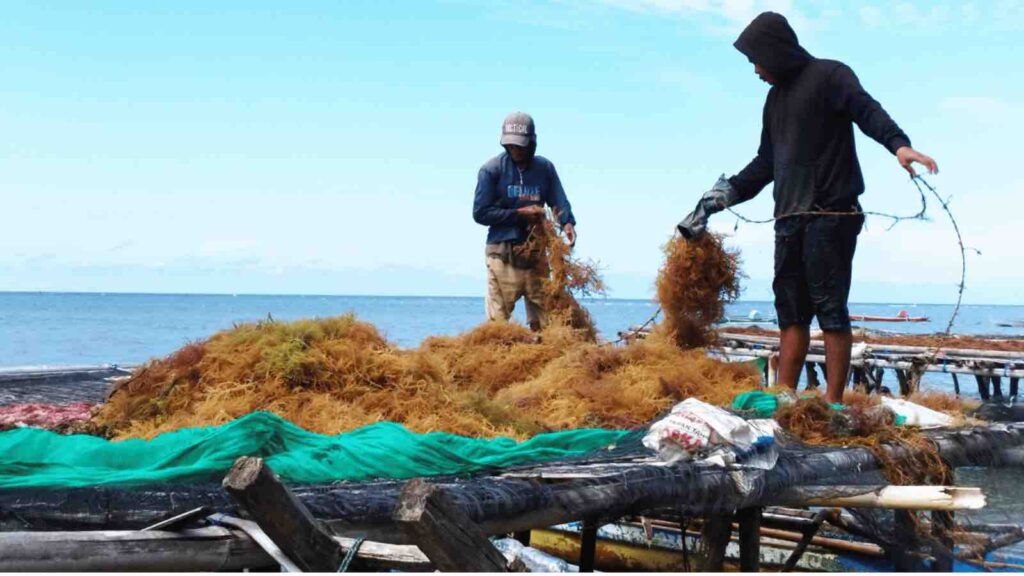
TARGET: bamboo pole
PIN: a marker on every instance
(941, 498)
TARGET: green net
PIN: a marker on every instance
(31, 457)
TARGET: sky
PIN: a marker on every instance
(323, 147)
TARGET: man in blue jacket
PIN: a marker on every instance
(807, 149)
(511, 192)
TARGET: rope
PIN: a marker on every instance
(640, 329)
(918, 182)
(896, 219)
(351, 554)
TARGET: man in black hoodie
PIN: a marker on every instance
(807, 149)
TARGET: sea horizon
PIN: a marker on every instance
(444, 296)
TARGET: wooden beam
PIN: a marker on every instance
(982, 386)
(257, 491)
(207, 549)
(588, 544)
(749, 520)
(714, 538)
(454, 543)
(807, 536)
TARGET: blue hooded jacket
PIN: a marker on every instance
(502, 187)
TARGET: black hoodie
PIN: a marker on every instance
(807, 144)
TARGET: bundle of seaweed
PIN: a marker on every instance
(905, 456)
(697, 280)
(336, 374)
(948, 404)
(565, 277)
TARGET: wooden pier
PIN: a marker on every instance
(870, 361)
(444, 523)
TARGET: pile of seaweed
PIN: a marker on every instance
(336, 374)
(905, 456)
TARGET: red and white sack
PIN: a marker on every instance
(693, 426)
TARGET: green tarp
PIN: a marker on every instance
(31, 457)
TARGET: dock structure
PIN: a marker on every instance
(686, 514)
(871, 360)
(437, 522)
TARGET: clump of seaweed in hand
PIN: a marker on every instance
(565, 278)
(698, 279)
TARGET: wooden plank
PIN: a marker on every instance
(714, 538)
(588, 544)
(749, 520)
(453, 542)
(257, 491)
(982, 386)
(207, 549)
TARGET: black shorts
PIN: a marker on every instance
(813, 268)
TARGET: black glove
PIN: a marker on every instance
(721, 196)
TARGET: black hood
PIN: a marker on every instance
(770, 42)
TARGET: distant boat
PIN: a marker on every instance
(1011, 323)
(901, 316)
(753, 318)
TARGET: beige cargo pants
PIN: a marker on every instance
(506, 284)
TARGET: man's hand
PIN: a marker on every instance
(570, 234)
(530, 212)
(906, 156)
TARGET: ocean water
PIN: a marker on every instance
(78, 328)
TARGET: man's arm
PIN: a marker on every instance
(560, 203)
(849, 97)
(759, 172)
(487, 208)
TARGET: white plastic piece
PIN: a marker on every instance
(916, 414)
(534, 560)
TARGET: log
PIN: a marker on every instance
(453, 542)
(588, 544)
(207, 549)
(256, 489)
(714, 538)
(749, 520)
(942, 498)
(982, 386)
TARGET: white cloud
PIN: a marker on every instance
(871, 16)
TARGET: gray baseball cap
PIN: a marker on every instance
(517, 129)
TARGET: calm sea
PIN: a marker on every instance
(69, 328)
